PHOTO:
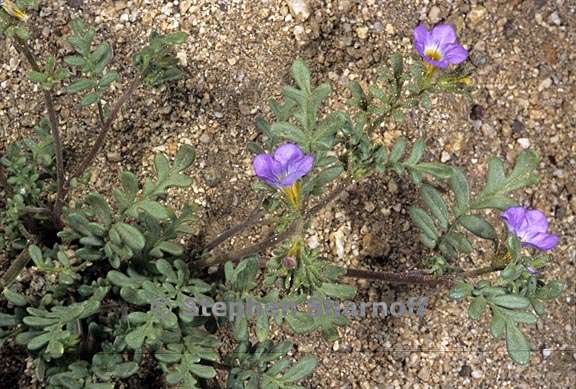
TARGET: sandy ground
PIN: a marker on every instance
(238, 55)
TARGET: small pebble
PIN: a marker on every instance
(524, 142)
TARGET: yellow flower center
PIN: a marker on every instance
(433, 54)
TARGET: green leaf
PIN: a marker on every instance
(417, 152)
(339, 291)
(435, 202)
(100, 207)
(287, 130)
(101, 57)
(496, 177)
(511, 301)
(476, 308)
(424, 222)
(39, 341)
(89, 99)
(171, 248)
(154, 208)
(80, 85)
(175, 38)
(130, 184)
(202, 371)
(74, 60)
(497, 324)
(435, 169)
(521, 175)
(301, 75)
(262, 328)
(329, 175)
(459, 185)
(119, 279)
(478, 226)
(36, 255)
(303, 368)
(14, 297)
(7, 320)
(37, 77)
(522, 317)
(501, 202)
(516, 343)
(131, 236)
(459, 242)
(460, 290)
(397, 64)
(398, 150)
(184, 157)
(108, 79)
(166, 269)
(551, 290)
(358, 95)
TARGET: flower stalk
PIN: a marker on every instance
(25, 50)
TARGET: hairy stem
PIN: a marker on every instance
(417, 277)
(105, 128)
(4, 183)
(292, 229)
(15, 267)
(252, 219)
(25, 50)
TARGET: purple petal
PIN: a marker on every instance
(514, 218)
(421, 36)
(287, 153)
(264, 166)
(439, 64)
(444, 34)
(455, 54)
(298, 170)
(535, 221)
(542, 241)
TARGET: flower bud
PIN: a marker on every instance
(289, 262)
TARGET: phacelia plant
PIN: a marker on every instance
(120, 288)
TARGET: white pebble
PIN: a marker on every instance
(524, 142)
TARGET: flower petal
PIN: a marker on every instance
(263, 166)
(514, 218)
(287, 153)
(439, 64)
(455, 54)
(421, 36)
(535, 221)
(444, 34)
(542, 241)
(297, 170)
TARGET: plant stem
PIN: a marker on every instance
(36, 210)
(105, 128)
(418, 278)
(24, 49)
(252, 219)
(236, 256)
(16, 267)
(292, 229)
(4, 183)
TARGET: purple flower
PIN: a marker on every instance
(285, 167)
(530, 227)
(440, 46)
